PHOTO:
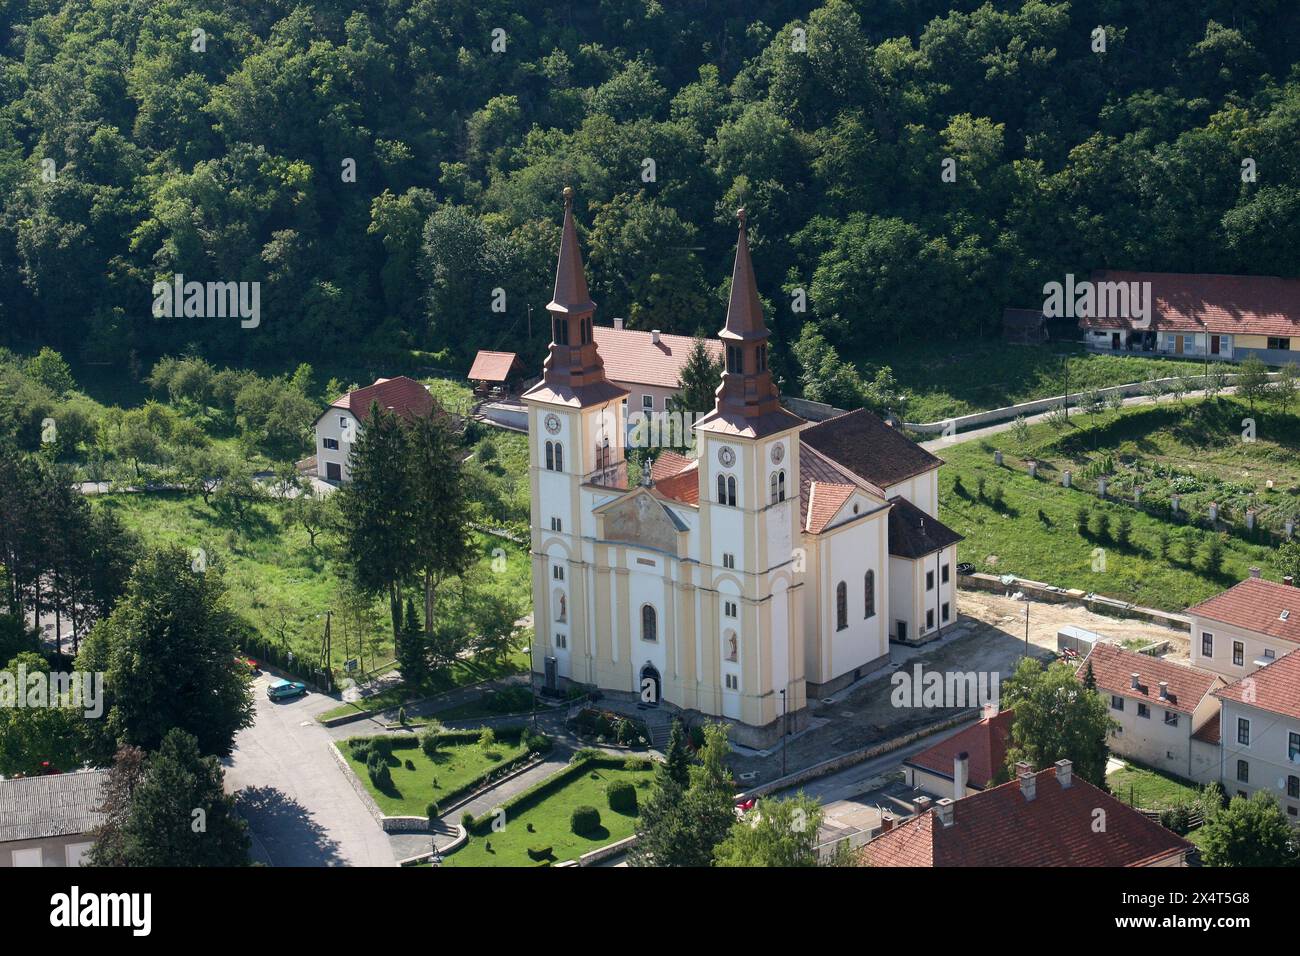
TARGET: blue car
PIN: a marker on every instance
(284, 689)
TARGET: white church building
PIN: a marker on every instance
(775, 564)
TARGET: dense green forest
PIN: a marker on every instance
(216, 138)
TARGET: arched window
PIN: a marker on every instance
(780, 485)
(649, 623)
(731, 647)
(550, 456)
(771, 489)
(841, 606)
(559, 457)
(731, 490)
(869, 592)
(722, 489)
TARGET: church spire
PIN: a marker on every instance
(744, 311)
(573, 369)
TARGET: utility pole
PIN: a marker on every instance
(1026, 626)
(530, 323)
(785, 730)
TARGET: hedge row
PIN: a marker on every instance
(581, 763)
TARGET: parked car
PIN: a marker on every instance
(284, 689)
(965, 567)
(249, 666)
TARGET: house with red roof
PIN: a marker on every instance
(1246, 627)
(1260, 733)
(648, 364)
(965, 763)
(1048, 818)
(1166, 715)
(1213, 316)
(339, 425)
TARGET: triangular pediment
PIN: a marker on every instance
(640, 518)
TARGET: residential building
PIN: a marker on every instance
(1261, 734)
(1246, 627)
(732, 583)
(1159, 706)
(47, 820)
(1048, 818)
(1218, 317)
(965, 763)
(339, 425)
(648, 365)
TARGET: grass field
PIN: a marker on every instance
(451, 769)
(1149, 789)
(547, 822)
(279, 583)
(1190, 448)
(949, 379)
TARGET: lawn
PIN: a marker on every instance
(1150, 789)
(453, 768)
(1190, 448)
(949, 379)
(284, 587)
(546, 821)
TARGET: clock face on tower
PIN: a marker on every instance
(778, 454)
(552, 423)
(726, 457)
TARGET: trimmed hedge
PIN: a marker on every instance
(621, 796)
(539, 853)
(582, 762)
(584, 820)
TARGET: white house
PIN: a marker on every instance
(1261, 734)
(1246, 627)
(339, 425)
(47, 820)
(1166, 712)
(733, 583)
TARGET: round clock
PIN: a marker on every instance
(726, 456)
(778, 454)
(553, 423)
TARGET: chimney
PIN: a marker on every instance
(1133, 680)
(1023, 767)
(1254, 572)
(922, 804)
(960, 774)
(1288, 580)
(1164, 690)
(654, 336)
(886, 822)
(618, 322)
(1064, 772)
(943, 810)
(1028, 785)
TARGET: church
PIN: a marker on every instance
(773, 565)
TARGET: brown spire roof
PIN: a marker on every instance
(744, 311)
(573, 373)
(748, 403)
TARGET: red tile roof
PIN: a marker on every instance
(1113, 667)
(985, 744)
(1250, 305)
(668, 463)
(631, 357)
(873, 450)
(1000, 827)
(493, 366)
(1209, 731)
(824, 502)
(1256, 605)
(1274, 687)
(402, 395)
(676, 476)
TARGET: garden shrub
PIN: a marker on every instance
(431, 811)
(429, 744)
(584, 820)
(377, 767)
(621, 796)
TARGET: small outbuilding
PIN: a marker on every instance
(495, 371)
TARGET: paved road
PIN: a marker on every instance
(298, 802)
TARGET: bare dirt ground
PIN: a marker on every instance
(988, 638)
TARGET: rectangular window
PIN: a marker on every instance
(1293, 746)
(929, 580)
(648, 402)
(943, 578)
(1243, 731)
(343, 422)
(1207, 644)
(332, 444)
(728, 560)
(1116, 702)
(1293, 787)
(1171, 718)
(1238, 653)
(944, 610)
(1279, 344)
(729, 608)
(929, 619)
(555, 525)
(1243, 771)
(1269, 653)
(733, 682)
(1144, 711)
(557, 572)
(561, 641)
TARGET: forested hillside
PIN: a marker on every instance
(133, 148)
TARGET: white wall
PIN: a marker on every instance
(339, 425)
(1255, 645)
(1266, 755)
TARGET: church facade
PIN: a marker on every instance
(774, 564)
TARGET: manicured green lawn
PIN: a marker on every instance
(1149, 789)
(949, 379)
(549, 820)
(453, 767)
(1165, 448)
